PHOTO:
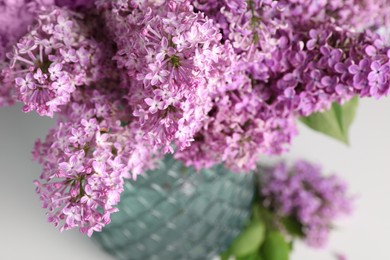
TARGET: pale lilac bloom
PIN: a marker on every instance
(15, 17)
(303, 193)
(84, 165)
(56, 72)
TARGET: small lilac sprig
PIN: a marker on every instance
(306, 195)
(340, 256)
(86, 158)
(56, 56)
(82, 170)
(15, 17)
(351, 14)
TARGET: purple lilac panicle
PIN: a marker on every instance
(86, 158)
(302, 192)
(301, 62)
(189, 86)
(56, 56)
(172, 56)
(356, 14)
(15, 17)
(280, 65)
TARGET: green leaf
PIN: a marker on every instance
(225, 255)
(275, 247)
(249, 240)
(293, 226)
(334, 122)
(254, 256)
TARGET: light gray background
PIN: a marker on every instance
(25, 234)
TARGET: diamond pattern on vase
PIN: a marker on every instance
(174, 212)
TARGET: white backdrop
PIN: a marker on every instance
(25, 234)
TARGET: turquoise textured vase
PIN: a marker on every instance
(177, 213)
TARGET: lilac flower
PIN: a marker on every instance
(359, 71)
(156, 75)
(154, 104)
(377, 89)
(329, 82)
(370, 51)
(302, 193)
(329, 56)
(314, 80)
(316, 37)
(378, 72)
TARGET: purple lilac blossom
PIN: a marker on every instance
(353, 13)
(211, 81)
(284, 66)
(86, 159)
(173, 57)
(305, 194)
(56, 56)
(340, 256)
(15, 17)
(303, 61)
(357, 14)
(229, 97)
(213, 97)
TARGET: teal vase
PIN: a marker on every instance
(175, 213)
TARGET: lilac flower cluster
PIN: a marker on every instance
(172, 56)
(56, 55)
(240, 126)
(85, 160)
(303, 62)
(283, 66)
(303, 193)
(280, 67)
(210, 81)
(351, 13)
(15, 17)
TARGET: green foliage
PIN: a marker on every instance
(249, 240)
(253, 256)
(334, 122)
(275, 247)
(293, 226)
(260, 241)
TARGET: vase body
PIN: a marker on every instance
(174, 212)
